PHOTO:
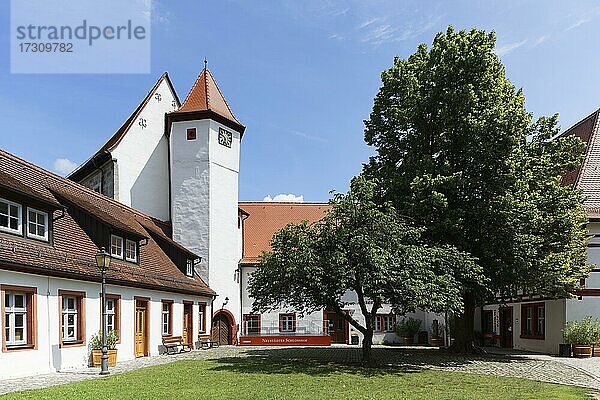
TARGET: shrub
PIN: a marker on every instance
(584, 332)
(408, 327)
(111, 340)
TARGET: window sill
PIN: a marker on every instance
(19, 347)
(532, 337)
(74, 343)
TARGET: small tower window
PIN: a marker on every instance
(191, 133)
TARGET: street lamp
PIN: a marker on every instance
(103, 262)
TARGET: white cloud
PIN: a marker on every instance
(578, 23)
(287, 198)
(541, 40)
(64, 166)
(376, 31)
(509, 47)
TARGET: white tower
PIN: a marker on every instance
(204, 138)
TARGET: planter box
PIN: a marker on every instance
(436, 341)
(407, 340)
(564, 350)
(596, 350)
(582, 351)
(97, 360)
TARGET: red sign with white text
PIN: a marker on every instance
(281, 340)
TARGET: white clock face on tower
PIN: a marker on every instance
(225, 137)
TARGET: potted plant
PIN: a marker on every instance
(407, 329)
(437, 334)
(112, 338)
(582, 335)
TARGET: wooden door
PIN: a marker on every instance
(337, 327)
(506, 327)
(187, 323)
(221, 331)
(140, 329)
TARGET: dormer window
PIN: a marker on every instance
(190, 268)
(116, 246)
(37, 224)
(10, 216)
(130, 250)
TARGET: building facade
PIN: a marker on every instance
(535, 324)
(190, 153)
(50, 287)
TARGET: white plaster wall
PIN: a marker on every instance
(48, 357)
(555, 320)
(223, 201)
(190, 190)
(204, 185)
(142, 158)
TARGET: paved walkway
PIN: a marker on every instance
(569, 371)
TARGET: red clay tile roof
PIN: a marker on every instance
(206, 95)
(97, 159)
(266, 218)
(587, 176)
(72, 253)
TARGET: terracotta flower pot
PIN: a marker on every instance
(97, 358)
(436, 341)
(582, 351)
(407, 340)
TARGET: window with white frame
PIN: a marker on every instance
(10, 216)
(377, 324)
(388, 323)
(110, 315)
(202, 318)
(166, 318)
(37, 224)
(70, 318)
(189, 271)
(15, 318)
(116, 246)
(130, 250)
(287, 322)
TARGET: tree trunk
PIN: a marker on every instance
(464, 329)
(366, 347)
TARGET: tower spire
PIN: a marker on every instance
(205, 63)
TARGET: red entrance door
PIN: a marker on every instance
(336, 327)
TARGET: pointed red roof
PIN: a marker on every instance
(205, 95)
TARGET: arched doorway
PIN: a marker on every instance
(223, 328)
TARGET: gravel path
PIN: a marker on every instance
(569, 371)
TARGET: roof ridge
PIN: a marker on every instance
(222, 96)
(74, 184)
(589, 148)
(206, 72)
(126, 125)
(576, 124)
(191, 89)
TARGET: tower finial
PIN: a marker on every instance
(205, 62)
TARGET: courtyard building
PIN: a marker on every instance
(535, 323)
(51, 228)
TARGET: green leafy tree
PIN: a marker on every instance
(458, 152)
(362, 248)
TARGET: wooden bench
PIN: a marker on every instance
(207, 344)
(172, 343)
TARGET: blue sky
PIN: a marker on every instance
(301, 75)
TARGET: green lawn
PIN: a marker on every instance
(243, 378)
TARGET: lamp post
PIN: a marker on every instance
(103, 262)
